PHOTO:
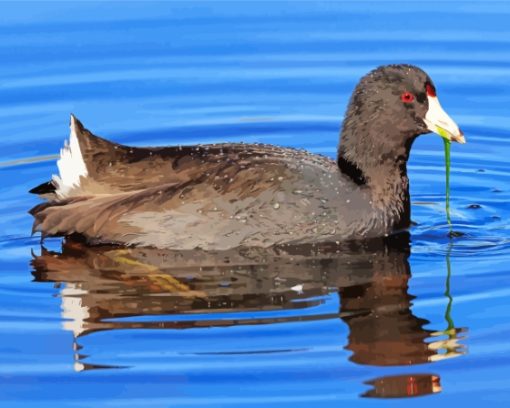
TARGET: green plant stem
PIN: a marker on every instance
(447, 144)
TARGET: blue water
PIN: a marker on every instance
(81, 328)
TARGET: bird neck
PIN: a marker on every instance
(382, 168)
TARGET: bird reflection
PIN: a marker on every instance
(101, 285)
(383, 329)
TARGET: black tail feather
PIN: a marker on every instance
(44, 188)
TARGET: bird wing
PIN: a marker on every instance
(90, 165)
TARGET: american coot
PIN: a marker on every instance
(225, 195)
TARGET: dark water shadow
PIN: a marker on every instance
(111, 288)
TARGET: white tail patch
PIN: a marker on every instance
(71, 165)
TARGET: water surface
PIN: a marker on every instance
(418, 315)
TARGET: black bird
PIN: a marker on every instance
(226, 195)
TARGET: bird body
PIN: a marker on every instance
(221, 196)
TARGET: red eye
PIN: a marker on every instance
(407, 97)
(431, 91)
